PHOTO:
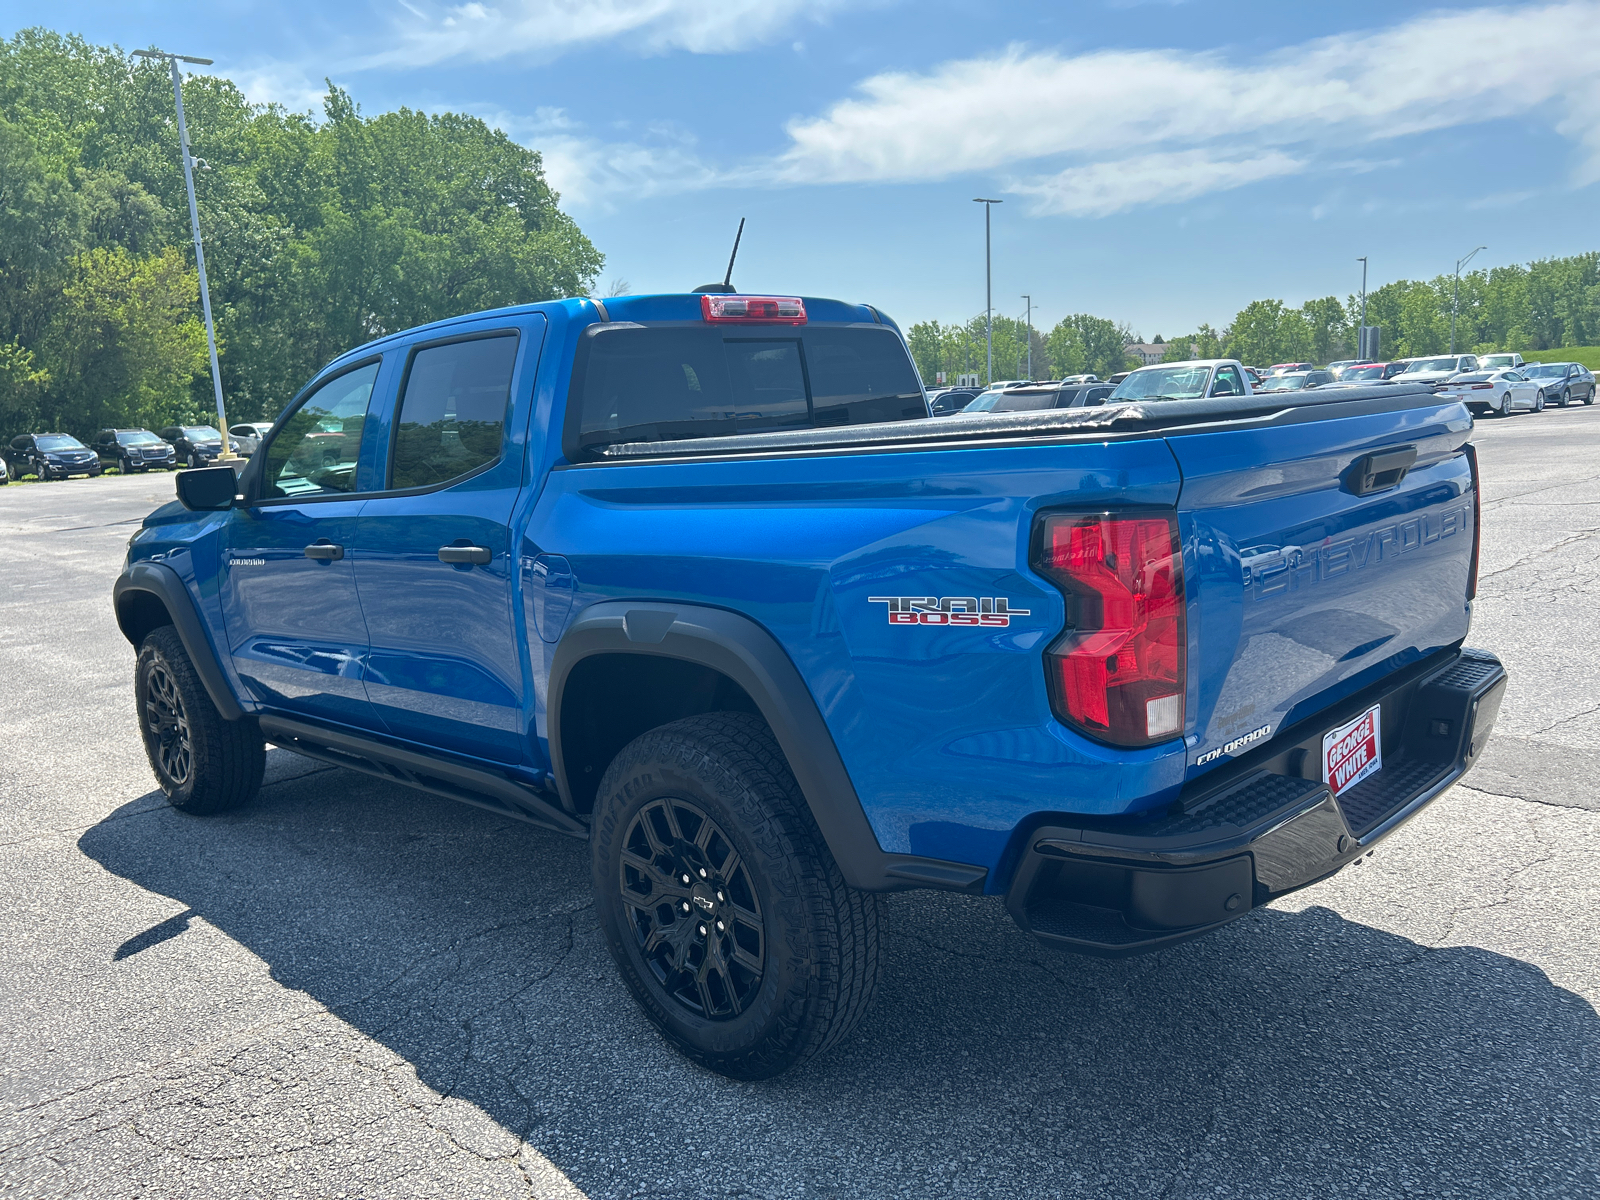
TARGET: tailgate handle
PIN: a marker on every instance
(466, 554)
(1381, 470)
(325, 551)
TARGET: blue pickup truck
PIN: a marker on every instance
(697, 578)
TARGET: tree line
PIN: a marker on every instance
(319, 235)
(1543, 305)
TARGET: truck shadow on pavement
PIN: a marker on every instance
(1289, 1054)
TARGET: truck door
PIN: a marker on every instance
(434, 557)
(288, 587)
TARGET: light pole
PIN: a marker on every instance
(194, 223)
(1029, 299)
(988, 288)
(1361, 329)
(1455, 296)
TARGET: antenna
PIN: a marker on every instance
(727, 280)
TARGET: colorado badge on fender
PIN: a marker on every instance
(990, 611)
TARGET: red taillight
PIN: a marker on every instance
(1477, 521)
(1482, 387)
(753, 310)
(1118, 672)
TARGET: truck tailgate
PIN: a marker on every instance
(1321, 555)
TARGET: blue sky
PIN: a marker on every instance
(1161, 163)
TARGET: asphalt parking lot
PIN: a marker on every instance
(351, 989)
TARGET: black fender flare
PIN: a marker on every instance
(750, 656)
(162, 582)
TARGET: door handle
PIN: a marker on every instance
(466, 554)
(325, 552)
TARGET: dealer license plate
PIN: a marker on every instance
(1353, 752)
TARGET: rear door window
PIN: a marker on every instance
(660, 383)
(452, 416)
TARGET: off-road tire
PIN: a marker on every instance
(219, 765)
(819, 936)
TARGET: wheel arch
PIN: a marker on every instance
(627, 666)
(148, 595)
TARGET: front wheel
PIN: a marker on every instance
(203, 763)
(194, 460)
(725, 912)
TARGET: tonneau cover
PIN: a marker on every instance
(1107, 421)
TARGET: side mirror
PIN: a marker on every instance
(207, 489)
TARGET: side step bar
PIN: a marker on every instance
(470, 785)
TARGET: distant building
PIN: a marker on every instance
(1146, 352)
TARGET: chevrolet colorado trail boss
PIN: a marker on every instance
(698, 579)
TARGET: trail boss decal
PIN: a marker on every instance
(988, 611)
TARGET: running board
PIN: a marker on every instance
(470, 785)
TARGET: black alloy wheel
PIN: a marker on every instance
(166, 724)
(692, 909)
(720, 903)
(203, 763)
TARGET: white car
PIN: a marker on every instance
(1500, 392)
(248, 436)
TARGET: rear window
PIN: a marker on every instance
(652, 384)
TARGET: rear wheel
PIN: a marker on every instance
(203, 763)
(1538, 402)
(719, 901)
(1505, 405)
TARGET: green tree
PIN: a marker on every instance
(1095, 342)
(1254, 336)
(319, 235)
(127, 343)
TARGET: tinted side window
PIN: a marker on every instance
(452, 416)
(315, 450)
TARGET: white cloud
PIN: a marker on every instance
(591, 172)
(544, 29)
(1099, 189)
(1212, 119)
(280, 83)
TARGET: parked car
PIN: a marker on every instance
(1562, 383)
(1091, 378)
(1034, 397)
(1501, 392)
(1337, 368)
(948, 401)
(197, 445)
(1370, 372)
(50, 456)
(1194, 379)
(1438, 368)
(1118, 377)
(131, 450)
(770, 651)
(1285, 368)
(248, 436)
(5, 471)
(1294, 381)
(1499, 362)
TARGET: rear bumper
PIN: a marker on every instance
(1269, 827)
